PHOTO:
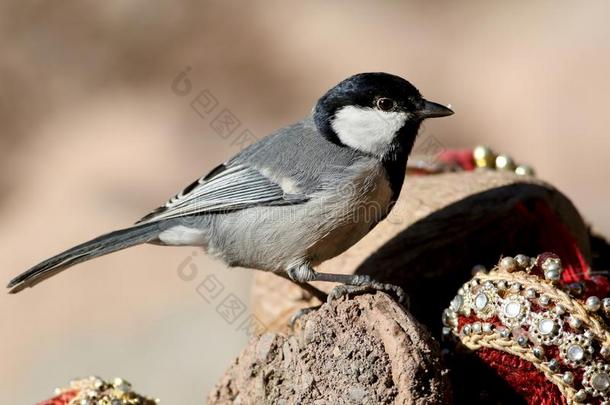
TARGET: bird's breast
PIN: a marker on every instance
(363, 197)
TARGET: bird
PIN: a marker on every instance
(294, 199)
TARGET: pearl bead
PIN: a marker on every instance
(508, 264)
(593, 303)
(505, 162)
(559, 309)
(524, 170)
(538, 352)
(551, 265)
(606, 305)
(568, 377)
(479, 268)
(504, 332)
(522, 261)
(575, 322)
(552, 275)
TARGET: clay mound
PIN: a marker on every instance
(365, 350)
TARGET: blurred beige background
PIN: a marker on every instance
(92, 138)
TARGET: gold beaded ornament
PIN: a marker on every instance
(518, 307)
(485, 158)
(95, 391)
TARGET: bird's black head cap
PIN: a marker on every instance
(377, 91)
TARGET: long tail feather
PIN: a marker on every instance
(102, 245)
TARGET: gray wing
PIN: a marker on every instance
(226, 188)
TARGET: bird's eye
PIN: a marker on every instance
(385, 104)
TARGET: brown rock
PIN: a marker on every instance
(366, 350)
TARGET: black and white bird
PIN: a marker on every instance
(296, 198)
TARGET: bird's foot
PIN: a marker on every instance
(300, 313)
(367, 285)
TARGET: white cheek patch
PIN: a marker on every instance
(368, 129)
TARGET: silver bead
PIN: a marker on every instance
(524, 170)
(530, 293)
(533, 262)
(552, 275)
(487, 328)
(559, 309)
(449, 318)
(508, 264)
(606, 305)
(589, 335)
(538, 352)
(544, 300)
(553, 364)
(575, 322)
(593, 303)
(552, 264)
(476, 327)
(504, 332)
(568, 377)
(522, 341)
(522, 261)
(479, 268)
(580, 396)
(466, 329)
(501, 284)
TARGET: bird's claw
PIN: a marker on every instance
(344, 290)
(300, 313)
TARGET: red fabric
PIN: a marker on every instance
(460, 157)
(525, 379)
(61, 399)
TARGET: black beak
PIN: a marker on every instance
(433, 110)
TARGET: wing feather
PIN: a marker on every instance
(226, 188)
